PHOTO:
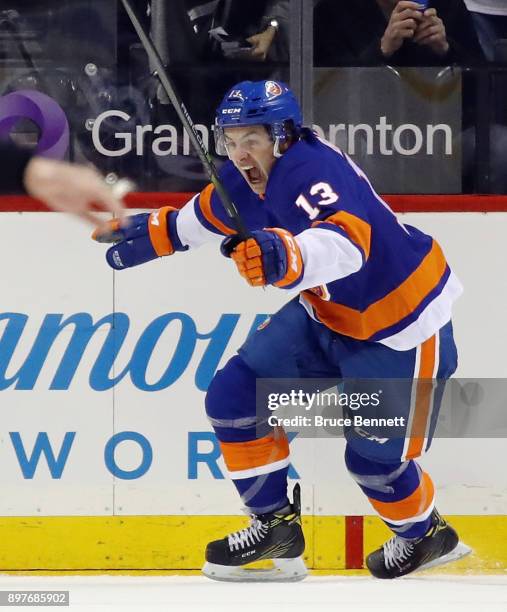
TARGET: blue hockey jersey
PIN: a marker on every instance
(366, 274)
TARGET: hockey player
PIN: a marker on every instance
(375, 302)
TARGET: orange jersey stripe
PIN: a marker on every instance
(207, 211)
(256, 453)
(157, 228)
(424, 392)
(390, 309)
(410, 507)
(356, 228)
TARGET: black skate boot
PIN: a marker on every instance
(400, 556)
(277, 536)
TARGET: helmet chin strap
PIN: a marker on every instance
(276, 147)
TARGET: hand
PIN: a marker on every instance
(70, 188)
(402, 25)
(269, 257)
(261, 43)
(139, 238)
(431, 32)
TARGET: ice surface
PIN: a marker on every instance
(337, 593)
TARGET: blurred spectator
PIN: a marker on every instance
(395, 32)
(247, 30)
(263, 24)
(490, 20)
(250, 35)
(403, 33)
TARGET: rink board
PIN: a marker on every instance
(59, 544)
(101, 463)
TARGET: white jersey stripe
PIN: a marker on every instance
(259, 471)
(327, 256)
(190, 230)
(432, 318)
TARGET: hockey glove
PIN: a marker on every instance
(144, 237)
(269, 257)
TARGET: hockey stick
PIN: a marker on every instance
(187, 122)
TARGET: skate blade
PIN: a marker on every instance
(461, 550)
(284, 570)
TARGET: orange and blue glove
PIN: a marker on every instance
(269, 257)
(140, 238)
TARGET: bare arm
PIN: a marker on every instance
(70, 188)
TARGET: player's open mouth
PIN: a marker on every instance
(254, 175)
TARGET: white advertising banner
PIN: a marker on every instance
(103, 376)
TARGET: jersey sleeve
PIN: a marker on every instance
(204, 219)
(336, 232)
(327, 256)
(211, 213)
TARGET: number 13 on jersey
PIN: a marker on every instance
(327, 195)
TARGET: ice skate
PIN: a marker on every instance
(277, 536)
(400, 556)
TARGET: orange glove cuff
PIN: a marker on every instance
(294, 257)
(157, 228)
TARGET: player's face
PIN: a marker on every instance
(251, 150)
